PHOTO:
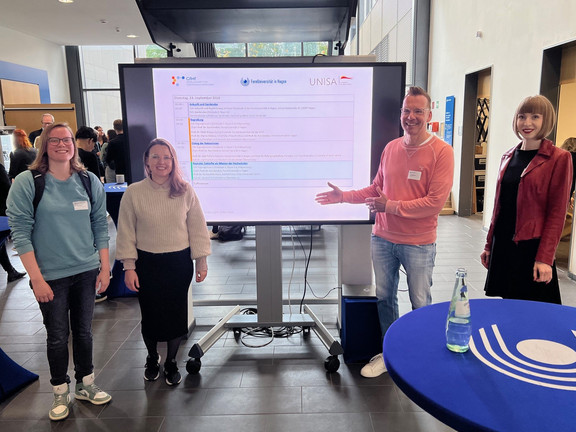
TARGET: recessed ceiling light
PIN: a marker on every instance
(132, 36)
(66, 1)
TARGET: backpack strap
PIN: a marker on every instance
(40, 184)
(85, 178)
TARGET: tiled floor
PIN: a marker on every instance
(280, 387)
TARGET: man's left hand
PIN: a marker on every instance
(377, 203)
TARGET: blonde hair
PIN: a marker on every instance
(536, 105)
(42, 164)
(178, 185)
(569, 144)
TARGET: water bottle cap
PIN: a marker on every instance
(461, 272)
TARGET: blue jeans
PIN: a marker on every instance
(72, 308)
(417, 260)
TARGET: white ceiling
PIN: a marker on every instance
(77, 23)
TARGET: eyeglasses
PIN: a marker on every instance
(156, 158)
(417, 112)
(56, 141)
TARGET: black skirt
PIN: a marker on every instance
(510, 273)
(163, 295)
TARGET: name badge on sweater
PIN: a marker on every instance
(414, 175)
(80, 205)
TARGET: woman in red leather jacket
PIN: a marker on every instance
(532, 195)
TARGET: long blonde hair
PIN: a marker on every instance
(41, 162)
(177, 183)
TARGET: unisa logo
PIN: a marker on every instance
(175, 80)
(245, 82)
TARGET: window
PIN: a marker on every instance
(100, 80)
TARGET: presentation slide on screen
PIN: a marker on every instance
(263, 142)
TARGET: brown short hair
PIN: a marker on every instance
(419, 91)
(536, 105)
(117, 125)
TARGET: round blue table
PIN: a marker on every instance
(519, 374)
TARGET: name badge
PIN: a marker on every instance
(80, 205)
(414, 175)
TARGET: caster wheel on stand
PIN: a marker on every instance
(193, 366)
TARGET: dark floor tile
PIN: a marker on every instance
(213, 377)
(285, 376)
(332, 422)
(407, 421)
(157, 400)
(40, 425)
(264, 400)
(140, 424)
(350, 399)
(244, 423)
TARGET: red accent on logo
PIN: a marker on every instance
(345, 77)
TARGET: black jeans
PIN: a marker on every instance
(72, 308)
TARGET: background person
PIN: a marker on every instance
(409, 191)
(86, 138)
(23, 154)
(13, 274)
(46, 120)
(532, 195)
(63, 244)
(161, 230)
(116, 153)
(569, 145)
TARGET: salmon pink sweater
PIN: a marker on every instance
(416, 180)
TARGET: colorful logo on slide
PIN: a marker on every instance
(245, 82)
(175, 80)
(331, 81)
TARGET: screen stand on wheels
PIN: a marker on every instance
(269, 301)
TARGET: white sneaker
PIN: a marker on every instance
(59, 410)
(87, 390)
(374, 368)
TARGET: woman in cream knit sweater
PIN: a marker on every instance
(161, 231)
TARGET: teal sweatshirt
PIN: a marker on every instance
(67, 231)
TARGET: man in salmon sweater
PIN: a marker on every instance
(407, 195)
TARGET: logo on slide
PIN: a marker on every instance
(329, 81)
(175, 80)
(245, 82)
(539, 362)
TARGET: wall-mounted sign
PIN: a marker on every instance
(449, 120)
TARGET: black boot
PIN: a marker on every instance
(14, 275)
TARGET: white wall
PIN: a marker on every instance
(28, 51)
(514, 35)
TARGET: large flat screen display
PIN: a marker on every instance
(258, 142)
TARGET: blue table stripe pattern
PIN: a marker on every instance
(536, 361)
(519, 374)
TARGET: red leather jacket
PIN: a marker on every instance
(543, 196)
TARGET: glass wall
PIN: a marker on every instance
(100, 80)
(278, 49)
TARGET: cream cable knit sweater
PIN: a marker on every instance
(151, 221)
